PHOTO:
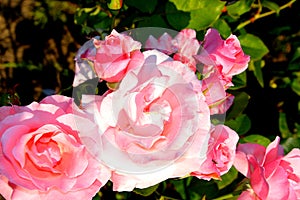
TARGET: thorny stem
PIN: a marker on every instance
(259, 15)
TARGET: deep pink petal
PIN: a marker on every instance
(259, 183)
(273, 151)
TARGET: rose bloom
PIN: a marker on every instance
(155, 126)
(163, 44)
(42, 156)
(220, 154)
(184, 46)
(214, 90)
(272, 174)
(116, 55)
(188, 46)
(227, 54)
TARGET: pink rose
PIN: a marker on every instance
(185, 45)
(291, 163)
(110, 58)
(116, 55)
(272, 175)
(188, 46)
(214, 89)
(227, 54)
(163, 44)
(220, 154)
(42, 156)
(155, 126)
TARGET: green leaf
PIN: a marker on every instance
(202, 13)
(9, 99)
(295, 61)
(227, 178)
(146, 191)
(144, 6)
(87, 30)
(223, 28)
(253, 46)
(283, 126)
(153, 21)
(239, 104)
(271, 5)
(104, 24)
(188, 188)
(240, 7)
(115, 4)
(296, 83)
(179, 186)
(199, 188)
(178, 19)
(80, 16)
(258, 139)
(296, 55)
(92, 19)
(87, 87)
(258, 72)
(290, 143)
(241, 124)
(113, 85)
(97, 196)
(239, 81)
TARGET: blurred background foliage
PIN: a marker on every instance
(39, 39)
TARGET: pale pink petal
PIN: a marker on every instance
(293, 158)
(5, 189)
(63, 102)
(278, 184)
(248, 195)
(162, 44)
(241, 163)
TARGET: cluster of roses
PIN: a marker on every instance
(153, 123)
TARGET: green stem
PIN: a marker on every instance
(164, 196)
(258, 15)
(186, 190)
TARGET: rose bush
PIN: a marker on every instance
(153, 121)
(272, 43)
(42, 156)
(272, 174)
